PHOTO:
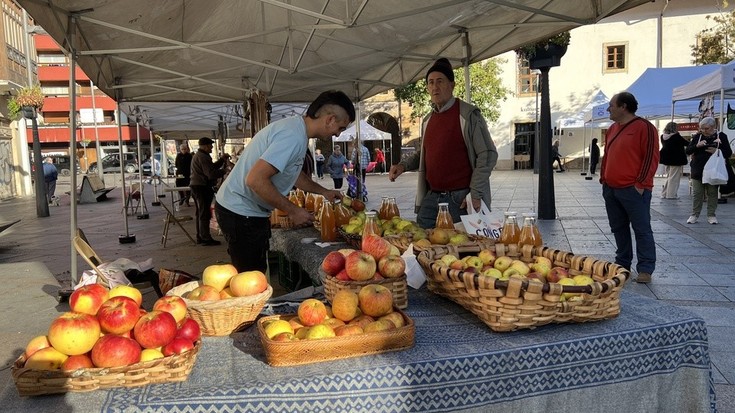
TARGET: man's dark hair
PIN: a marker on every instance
(331, 97)
(627, 99)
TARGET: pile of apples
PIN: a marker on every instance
(222, 281)
(369, 310)
(486, 263)
(441, 236)
(377, 260)
(108, 328)
(393, 226)
(355, 205)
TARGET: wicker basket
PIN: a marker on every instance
(222, 317)
(517, 304)
(397, 286)
(354, 240)
(165, 370)
(292, 353)
(402, 242)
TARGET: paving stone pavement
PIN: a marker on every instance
(694, 262)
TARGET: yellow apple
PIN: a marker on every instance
(218, 275)
(319, 331)
(276, 327)
(127, 291)
(149, 354)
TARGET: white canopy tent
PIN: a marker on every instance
(720, 83)
(367, 133)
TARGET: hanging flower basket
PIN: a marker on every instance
(547, 52)
(32, 97)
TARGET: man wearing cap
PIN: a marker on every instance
(268, 168)
(457, 153)
(204, 175)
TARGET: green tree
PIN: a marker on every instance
(715, 45)
(487, 90)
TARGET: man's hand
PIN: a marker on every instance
(301, 217)
(395, 170)
(475, 204)
(332, 195)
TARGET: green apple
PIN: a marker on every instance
(493, 272)
(448, 259)
(521, 266)
(502, 263)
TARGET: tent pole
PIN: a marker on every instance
(584, 149)
(466, 64)
(357, 168)
(72, 146)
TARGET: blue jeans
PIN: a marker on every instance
(429, 209)
(625, 208)
(247, 239)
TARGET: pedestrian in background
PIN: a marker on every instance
(380, 160)
(673, 156)
(319, 158)
(364, 160)
(50, 175)
(701, 147)
(335, 166)
(183, 172)
(594, 156)
(630, 162)
(204, 176)
(556, 156)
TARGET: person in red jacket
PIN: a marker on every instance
(630, 161)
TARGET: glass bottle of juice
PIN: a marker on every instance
(392, 209)
(510, 232)
(328, 224)
(309, 201)
(342, 214)
(443, 218)
(318, 200)
(301, 197)
(530, 235)
(293, 198)
(371, 226)
(383, 207)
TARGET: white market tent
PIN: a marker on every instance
(653, 89)
(720, 83)
(367, 133)
(290, 51)
(579, 119)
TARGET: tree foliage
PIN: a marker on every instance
(487, 90)
(715, 44)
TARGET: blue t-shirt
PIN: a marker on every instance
(283, 145)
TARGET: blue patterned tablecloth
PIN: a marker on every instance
(653, 358)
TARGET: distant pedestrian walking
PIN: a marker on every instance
(673, 157)
(594, 156)
(50, 175)
(556, 156)
(319, 158)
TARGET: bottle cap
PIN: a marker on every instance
(443, 203)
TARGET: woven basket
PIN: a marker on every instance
(165, 370)
(222, 317)
(402, 242)
(292, 353)
(397, 286)
(517, 304)
(354, 240)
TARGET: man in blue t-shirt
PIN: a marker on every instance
(268, 168)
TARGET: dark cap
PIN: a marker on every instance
(442, 65)
(205, 141)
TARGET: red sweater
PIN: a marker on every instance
(447, 163)
(631, 155)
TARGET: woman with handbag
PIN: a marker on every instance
(701, 148)
(674, 157)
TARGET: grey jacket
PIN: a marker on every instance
(204, 172)
(480, 149)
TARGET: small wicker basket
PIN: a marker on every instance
(222, 317)
(354, 240)
(292, 353)
(397, 286)
(169, 369)
(518, 304)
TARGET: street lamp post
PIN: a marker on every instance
(29, 112)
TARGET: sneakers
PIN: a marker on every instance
(692, 219)
(712, 220)
(643, 278)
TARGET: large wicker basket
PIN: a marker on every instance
(354, 240)
(174, 368)
(397, 286)
(222, 317)
(518, 304)
(292, 353)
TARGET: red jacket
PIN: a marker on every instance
(631, 155)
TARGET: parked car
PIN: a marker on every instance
(146, 167)
(63, 164)
(111, 163)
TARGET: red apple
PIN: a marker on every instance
(155, 329)
(357, 205)
(218, 275)
(346, 251)
(87, 299)
(377, 277)
(348, 330)
(80, 361)
(114, 351)
(375, 300)
(172, 304)
(342, 276)
(248, 283)
(36, 343)
(557, 273)
(392, 266)
(177, 346)
(203, 293)
(312, 312)
(285, 336)
(362, 320)
(127, 291)
(189, 329)
(118, 315)
(360, 266)
(333, 263)
(376, 246)
(74, 333)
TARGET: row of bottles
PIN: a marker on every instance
(529, 234)
(388, 208)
